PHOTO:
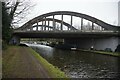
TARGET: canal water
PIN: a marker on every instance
(78, 64)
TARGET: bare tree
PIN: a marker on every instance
(18, 9)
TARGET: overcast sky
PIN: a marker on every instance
(106, 10)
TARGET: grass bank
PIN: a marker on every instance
(116, 54)
(53, 71)
(21, 62)
(9, 60)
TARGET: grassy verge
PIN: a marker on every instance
(103, 52)
(12, 61)
(8, 60)
(53, 71)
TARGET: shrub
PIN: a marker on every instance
(118, 48)
(108, 49)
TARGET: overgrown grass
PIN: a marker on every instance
(103, 52)
(8, 60)
(108, 53)
(4, 45)
(53, 71)
(11, 55)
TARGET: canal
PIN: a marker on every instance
(79, 64)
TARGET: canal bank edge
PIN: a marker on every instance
(103, 53)
(53, 71)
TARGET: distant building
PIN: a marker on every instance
(119, 13)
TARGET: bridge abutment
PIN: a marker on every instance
(96, 43)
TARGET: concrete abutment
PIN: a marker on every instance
(96, 43)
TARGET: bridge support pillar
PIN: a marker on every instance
(15, 40)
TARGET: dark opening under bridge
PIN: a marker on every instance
(48, 26)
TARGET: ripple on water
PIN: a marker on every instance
(79, 65)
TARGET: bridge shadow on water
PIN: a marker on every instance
(80, 64)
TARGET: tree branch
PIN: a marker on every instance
(14, 9)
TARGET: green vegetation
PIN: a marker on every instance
(16, 60)
(12, 13)
(103, 52)
(9, 60)
(53, 71)
(108, 53)
(6, 26)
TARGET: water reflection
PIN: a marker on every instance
(45, 50)
(78, 64)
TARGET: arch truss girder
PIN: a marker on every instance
(83, 16)
(48, 19)
(59, 21)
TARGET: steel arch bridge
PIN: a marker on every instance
(48, 26)
(34, 24)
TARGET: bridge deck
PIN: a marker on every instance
(65, 34)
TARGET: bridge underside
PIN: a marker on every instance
(84, 40)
